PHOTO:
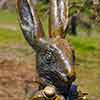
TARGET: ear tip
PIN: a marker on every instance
(17, 4)
(20, 3)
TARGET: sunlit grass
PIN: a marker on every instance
(83, 44)
(8, 17)
(87, 63)
(9, 36)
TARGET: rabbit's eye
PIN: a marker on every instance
(48, 56)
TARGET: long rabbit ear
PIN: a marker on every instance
(55, 25)
(29, 21)
(63, 10)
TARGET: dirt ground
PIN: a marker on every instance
(16, 74)
(8, 26)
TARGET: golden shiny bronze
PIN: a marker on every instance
(48, 93)
(29, 20)
(54, 56)
(58, 19)
(55, 25)
(63, 6)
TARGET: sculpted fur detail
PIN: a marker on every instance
(54, 57)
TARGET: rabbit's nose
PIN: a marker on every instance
(71, 75)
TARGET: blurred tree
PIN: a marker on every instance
(74, 24)
(96, 10)
(45, 1)
(3, 4)
(8, 4)
(95, 2)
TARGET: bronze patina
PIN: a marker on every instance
(48, 93)
(54, 56)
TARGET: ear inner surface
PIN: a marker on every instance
(55, 25)
(63, 10)
(29, 21)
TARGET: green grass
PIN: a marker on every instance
(87, 63)
(83, 44)
(8, 17)
(13, 41)
(8, 36)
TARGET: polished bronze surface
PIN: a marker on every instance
(55, 25)
(63, 10)
(48, 93)
(54, 57)
(29, 21)
(58, 19)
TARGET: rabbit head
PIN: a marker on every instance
(54, 55)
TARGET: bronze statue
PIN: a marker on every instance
(55, 57)
(48, 93)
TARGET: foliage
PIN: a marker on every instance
(42, 8)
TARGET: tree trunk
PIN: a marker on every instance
(95, 2)
(35, 1)
(3, 4)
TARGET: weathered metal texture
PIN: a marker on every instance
(29, 22)
(48, 93)
(63, 10)
(55, 25)
(58, 19)
(54, 64)
(54, 57)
